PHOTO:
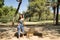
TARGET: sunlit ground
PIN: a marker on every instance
(49, 31)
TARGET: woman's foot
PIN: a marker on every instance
(19, 38)
(23, 35)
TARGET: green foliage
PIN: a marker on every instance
(38, 10)
(1, 11)
(4, 19)
(1, 3)
(7, 13)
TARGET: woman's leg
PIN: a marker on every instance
(22, 29)
(18, 29)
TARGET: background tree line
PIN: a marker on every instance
(6, 13)
(38, 10)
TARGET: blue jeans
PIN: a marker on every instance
(20, 27)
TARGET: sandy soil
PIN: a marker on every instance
(8, 33)
(31, 38)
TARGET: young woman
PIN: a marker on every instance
(20, 26)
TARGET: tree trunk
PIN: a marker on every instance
(17, 9)
(16, 13)
(29, 19)
(39, 17)
(39, 13)
(54, 11)
(57, 14)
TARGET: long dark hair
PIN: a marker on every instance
(20, 16)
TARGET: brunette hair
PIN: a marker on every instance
(20, 16)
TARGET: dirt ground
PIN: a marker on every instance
(31, 38)
(50, 32)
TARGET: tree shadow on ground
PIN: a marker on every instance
(3, 30)
(16, 34)
(25, 34)
(38, 34)
(51, 27)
